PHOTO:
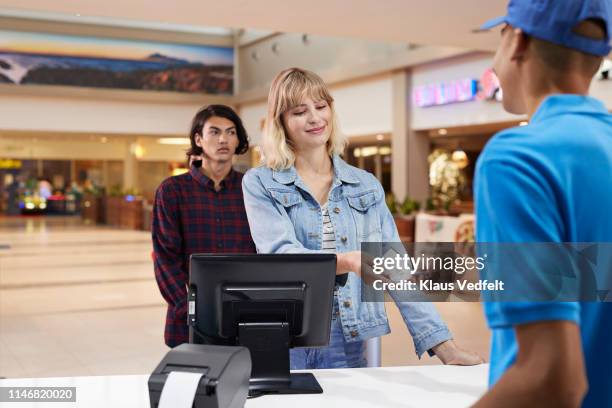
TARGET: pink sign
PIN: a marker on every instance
(460, 90)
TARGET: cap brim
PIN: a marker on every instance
(492, 23)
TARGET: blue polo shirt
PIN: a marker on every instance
(551, 181)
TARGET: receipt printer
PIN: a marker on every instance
(225, 374)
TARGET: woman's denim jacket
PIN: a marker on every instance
(285, 218)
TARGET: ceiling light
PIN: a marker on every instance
(369, 151)
(173, 140)
(137, 150)
(523, 123)
(384, 151)
(380, 137)
(442, 132)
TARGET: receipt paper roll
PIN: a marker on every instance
(179, 390)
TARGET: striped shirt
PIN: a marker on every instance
(329, 234)
(328, 243)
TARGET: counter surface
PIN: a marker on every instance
(414, 386)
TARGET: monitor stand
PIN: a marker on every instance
(269, 347)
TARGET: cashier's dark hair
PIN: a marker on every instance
(221, 111)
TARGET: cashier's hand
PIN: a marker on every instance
(450, 354)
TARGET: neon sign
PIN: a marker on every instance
(460, 90)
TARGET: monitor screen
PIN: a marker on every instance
(293, 288)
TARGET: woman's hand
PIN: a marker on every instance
(354, 261)
(450, 354)
(348, 262)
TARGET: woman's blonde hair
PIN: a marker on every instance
(288, 89)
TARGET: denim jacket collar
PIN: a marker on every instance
(343, 172)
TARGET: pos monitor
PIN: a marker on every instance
(268, 303)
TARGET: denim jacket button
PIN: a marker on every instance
(347, 303)
(337, 210)
(354, 333)
(344, 238)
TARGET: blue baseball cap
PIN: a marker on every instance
(554, 20)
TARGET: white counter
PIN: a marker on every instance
(414, 386)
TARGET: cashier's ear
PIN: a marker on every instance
(519, 45)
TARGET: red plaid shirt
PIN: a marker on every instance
(189, 217)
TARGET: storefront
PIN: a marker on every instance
(457, 105)
(50, 174)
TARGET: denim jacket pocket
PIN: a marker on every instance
(362, 201)
(286, 198)
(365, 214)
(291, 201)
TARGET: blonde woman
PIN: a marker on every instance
(307, 199)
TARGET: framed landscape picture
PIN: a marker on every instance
(67, 60)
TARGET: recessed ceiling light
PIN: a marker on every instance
(137, 150)
(173, 140)
(442, 132)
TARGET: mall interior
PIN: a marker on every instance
(82, 153)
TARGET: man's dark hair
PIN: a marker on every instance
(221, 111)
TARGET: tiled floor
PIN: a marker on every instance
(82, 300)
(77, 300)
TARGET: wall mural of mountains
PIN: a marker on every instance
(52, 59)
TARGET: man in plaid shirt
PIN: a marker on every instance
(201, 211)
